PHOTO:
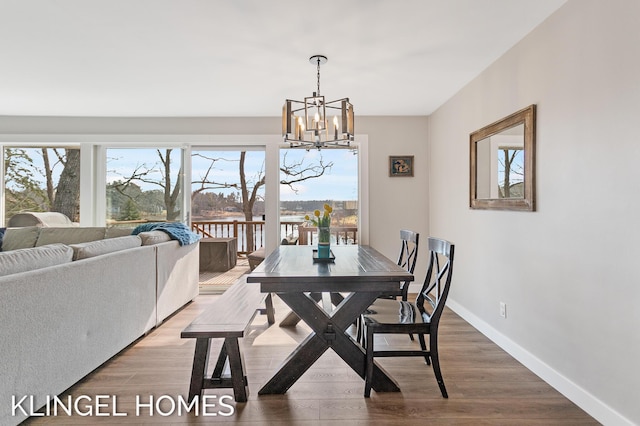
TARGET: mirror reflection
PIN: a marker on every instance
(502, 163)
(500, 170)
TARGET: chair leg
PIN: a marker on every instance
(433, 347)
(368, 378)
(423, 345)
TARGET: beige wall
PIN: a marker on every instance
(567, 272)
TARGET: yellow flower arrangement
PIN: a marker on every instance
(323, 222)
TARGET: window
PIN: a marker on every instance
(144, 185)
(227, 194)
(308, 180)
(41, 179)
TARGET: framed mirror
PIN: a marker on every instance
(502, 163)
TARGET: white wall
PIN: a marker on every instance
(397, 202)
(567, 272)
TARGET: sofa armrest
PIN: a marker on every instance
(177, 276)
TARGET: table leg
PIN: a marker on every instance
(295, 365)
(291, 320)
(328, 331)
(348, 349)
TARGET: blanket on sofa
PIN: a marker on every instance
(176, 230)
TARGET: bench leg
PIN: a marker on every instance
(271, 318)
(222, 359)
(236, 364)
(268, 310)
(200, 361)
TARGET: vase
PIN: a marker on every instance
(324, 242)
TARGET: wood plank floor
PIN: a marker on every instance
(486, 386)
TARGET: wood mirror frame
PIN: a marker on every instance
(525, 198)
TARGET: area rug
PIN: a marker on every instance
(218, 282)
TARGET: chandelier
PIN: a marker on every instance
(305, 123)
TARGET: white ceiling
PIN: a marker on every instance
(244, 57)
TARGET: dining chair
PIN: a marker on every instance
(407, 260)
(421, 317)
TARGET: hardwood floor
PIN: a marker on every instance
(486, 386)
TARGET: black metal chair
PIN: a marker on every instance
(407, 260)
(402, 317)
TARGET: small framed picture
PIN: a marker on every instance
(401, 165)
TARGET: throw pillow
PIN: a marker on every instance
(109, 245)
(70, 235)
(113, 232)
(154, 237)
(19, 238)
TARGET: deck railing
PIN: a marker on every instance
(250, 234)
(339, 235)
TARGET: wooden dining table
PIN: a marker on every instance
(357, 275)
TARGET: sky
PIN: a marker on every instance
(339, 183)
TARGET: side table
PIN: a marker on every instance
(218, 254)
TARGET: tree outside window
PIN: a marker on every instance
(42, 179)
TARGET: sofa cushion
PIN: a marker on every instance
(109, 245)
(19, 238)
(71, 235)
(113, 232)
(154, 237)
(27, 259)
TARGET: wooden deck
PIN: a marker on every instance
(218, 282)
(486, 386)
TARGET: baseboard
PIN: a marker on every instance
(579, 396)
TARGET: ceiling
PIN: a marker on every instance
(160, 58)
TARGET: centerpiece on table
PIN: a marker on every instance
(323, 222)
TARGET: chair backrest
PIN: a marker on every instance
(437, 282)
(408, 255)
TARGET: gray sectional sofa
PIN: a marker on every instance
(73, 297)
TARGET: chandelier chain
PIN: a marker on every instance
(318, 76)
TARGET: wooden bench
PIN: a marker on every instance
(229, 318)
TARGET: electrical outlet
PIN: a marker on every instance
(503, 309)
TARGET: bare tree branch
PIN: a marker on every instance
(297, 172)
